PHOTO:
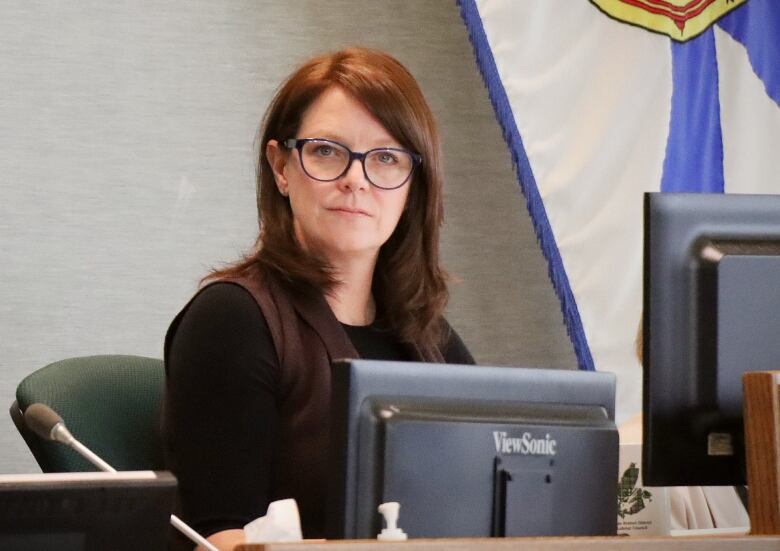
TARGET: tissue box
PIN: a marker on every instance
(281, 523)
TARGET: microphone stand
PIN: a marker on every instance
(61, 434)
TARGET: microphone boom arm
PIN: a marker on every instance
(44, 422)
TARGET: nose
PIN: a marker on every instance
(355, 177)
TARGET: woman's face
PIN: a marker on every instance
(346, 219)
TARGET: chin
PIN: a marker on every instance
(355, 247)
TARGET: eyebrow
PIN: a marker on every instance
(329, 135)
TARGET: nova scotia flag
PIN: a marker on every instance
(601, 101)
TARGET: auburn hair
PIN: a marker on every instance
(409, 285)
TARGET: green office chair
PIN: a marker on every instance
(109, 403)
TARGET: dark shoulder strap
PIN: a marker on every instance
(280, 307)
(428, 354)
(433, 354)
(318, 314)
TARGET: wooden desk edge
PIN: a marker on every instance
(614, 543)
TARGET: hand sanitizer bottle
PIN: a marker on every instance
(391, 532)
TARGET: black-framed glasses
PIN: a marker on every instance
(326, 160)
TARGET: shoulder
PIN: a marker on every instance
(224, 301)
(222, 295)
(220, 334)
(221, 309)
(454, 349)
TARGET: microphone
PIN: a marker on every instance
(45, 422)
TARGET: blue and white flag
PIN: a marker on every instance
(601, 101)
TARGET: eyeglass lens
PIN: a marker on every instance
(385, 168)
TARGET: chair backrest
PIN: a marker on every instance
(109, 403)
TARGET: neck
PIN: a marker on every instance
(351, 300)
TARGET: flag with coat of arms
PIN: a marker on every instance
(602, 100)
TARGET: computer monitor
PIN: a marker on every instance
(86, 511)
(472, 451)
(711, 313)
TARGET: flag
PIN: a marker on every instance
(601, 101)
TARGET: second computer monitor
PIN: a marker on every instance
(472, 451)
(711, 313)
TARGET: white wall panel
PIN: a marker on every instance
(126, 169)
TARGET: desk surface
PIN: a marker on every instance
(615, 543)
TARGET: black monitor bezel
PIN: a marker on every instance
(355, 381)
(88, 511)
(678, 344)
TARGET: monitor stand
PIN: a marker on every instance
(762, 449)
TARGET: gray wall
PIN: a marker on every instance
(126, 170)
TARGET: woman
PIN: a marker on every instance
(346, 265)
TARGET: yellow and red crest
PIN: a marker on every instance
(679, 19)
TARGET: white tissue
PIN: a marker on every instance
(280, 523)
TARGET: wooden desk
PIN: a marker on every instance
(616, 543)
(762, 434)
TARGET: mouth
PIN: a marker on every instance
(349, 210)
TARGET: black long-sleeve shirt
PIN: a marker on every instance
(221, 410)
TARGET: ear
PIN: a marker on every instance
(277, 159)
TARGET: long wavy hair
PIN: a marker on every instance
(409, 285)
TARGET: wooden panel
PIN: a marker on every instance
(762, 437)
(616, 543)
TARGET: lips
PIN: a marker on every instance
(349, 210)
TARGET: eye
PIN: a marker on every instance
(386, 157)
(324, 150)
